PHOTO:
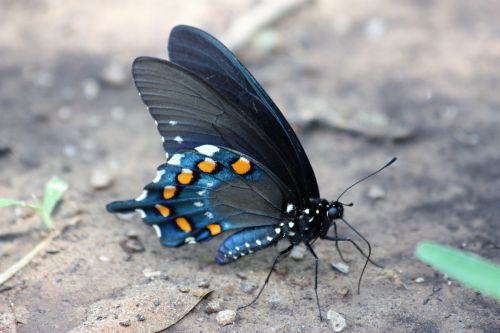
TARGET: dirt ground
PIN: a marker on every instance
(432, 67)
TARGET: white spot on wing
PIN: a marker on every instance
(277, 230)
(172, 122)
(175, 159)
(159, 174)
(291, 224)
(143, 196)
(237, 248)
(162, 139)
(207, 150)
(289, 208)
(157, 230)
(156, 122)
(200, 193)
(198, 204)
(258, 242)
(141, 213)
(306, 211)
(178, 139)
(210, 215)
(247, 245)
(269, 238)
(190, 240)
(210, 184)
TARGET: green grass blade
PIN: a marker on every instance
(10, 202)
(467, 268)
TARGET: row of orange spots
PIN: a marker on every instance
(242, 166)
(185, 226)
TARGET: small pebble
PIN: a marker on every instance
(341, 267)
(157, 302)
(248, 288)
(298, 252)
(337, 320)
(184, 289)
(274, 300)
(125, 323)
(100, 179)
(150, 273)
(226, 317)
(204, 284)
(213, 306)
(114, 75)
(140, 317)
(90, 89)
(70, 150)
(376, 193)
(241, 275)
(343, 292)
(104, 258)
(419, 280)
(132, 244)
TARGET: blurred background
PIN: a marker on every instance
(360, 81)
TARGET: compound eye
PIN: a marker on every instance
(333, 213)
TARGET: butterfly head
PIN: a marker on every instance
(335, 210)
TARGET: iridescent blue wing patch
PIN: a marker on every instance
(205, 191)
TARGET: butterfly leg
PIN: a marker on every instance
(341, 239)
(337, 243)
(282, 253)
(316, 263)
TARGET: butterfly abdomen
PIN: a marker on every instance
(245, 242)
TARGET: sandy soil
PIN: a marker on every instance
(432, 67)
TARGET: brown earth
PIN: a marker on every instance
(431, 66)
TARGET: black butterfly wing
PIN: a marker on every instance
(189, 113)
(209, 59)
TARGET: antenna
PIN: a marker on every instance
(365, 178)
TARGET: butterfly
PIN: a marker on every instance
(234, 163)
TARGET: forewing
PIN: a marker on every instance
(189, 112)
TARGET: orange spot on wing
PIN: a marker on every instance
(185, 177)
(183, 224)
(214, 229)
(242, 166)
(164, 210)
(169, 192)
(207, 165)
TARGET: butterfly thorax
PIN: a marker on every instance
(309, 223)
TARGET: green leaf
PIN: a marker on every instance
(10, 202)
(54, 190)
(467, 268)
